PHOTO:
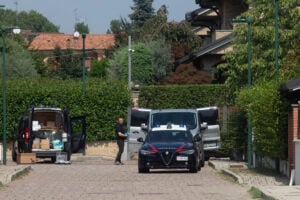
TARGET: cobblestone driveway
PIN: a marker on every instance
(100, 180)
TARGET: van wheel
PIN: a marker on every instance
(53, 159)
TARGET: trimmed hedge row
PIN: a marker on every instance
(182, 96)
(103, 103)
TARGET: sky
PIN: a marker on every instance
(96, 13)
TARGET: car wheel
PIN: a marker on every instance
(14, 153)
(202, 163)
(143, 170)
(193, 170)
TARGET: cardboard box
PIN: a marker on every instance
(36, 146)
(26, 158)
(45, 144)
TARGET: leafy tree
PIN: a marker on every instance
(121, 28)
(154, 27)
(142, 64)
(142, 11)
(65, 64)
(183, 39)
(70, 65)
(162, 59)
(82, 28)
(31, 20)
(188, 74)
(151, 62)
(262, 101)
(36, 22)
(19, 62)
(40, 65)
(180, 35)
(263, 44)
(99, 68)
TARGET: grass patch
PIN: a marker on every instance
(255, 193)
(22, 174)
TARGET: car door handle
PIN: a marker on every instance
(135, 132)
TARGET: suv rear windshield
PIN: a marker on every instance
(181, 118)
(169, 136)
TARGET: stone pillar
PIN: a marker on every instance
(293, 126)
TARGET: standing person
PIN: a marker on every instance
(121, 136)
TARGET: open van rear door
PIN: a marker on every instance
(139, 118)
(78, 130)
(211, 135)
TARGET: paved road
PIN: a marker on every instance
(100, 180)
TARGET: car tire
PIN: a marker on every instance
(202, 163)
(193, 170)
(144, 170)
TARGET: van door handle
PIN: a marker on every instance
(135, 132)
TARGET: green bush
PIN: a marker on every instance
(268, 115)
(104, 102)
(182, 96)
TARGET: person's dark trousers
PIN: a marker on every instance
(121, 149)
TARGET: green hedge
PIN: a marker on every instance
(103, 103)
(182, 96)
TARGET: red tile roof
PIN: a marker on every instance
(48, 41)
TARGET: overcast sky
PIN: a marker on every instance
(96, 13)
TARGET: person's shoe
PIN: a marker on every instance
(117, 163)
(121, 163)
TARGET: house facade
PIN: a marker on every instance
(97, 46)
(212, 22)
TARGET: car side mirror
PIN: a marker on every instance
(203, 126)
(144, 127)
(140, 139)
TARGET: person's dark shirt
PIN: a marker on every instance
(120, 128)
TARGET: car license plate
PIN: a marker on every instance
(182, 158)
(210, 145)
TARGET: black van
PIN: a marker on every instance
(48, 132)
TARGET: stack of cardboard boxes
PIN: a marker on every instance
(41, 144)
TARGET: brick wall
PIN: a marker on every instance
(292, 134)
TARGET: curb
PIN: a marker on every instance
(6, 179)
(240, 180)
(233, 175)
(227, 172)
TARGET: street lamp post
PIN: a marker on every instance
(76, 36)
(276, 36)
(129, 88)
(3, 31)
(248, 20)
(83, 65)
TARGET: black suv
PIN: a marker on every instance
(170, 147)
(48, 132)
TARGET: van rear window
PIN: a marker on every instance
(138, 117)
(179, 118)
(210, 116)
